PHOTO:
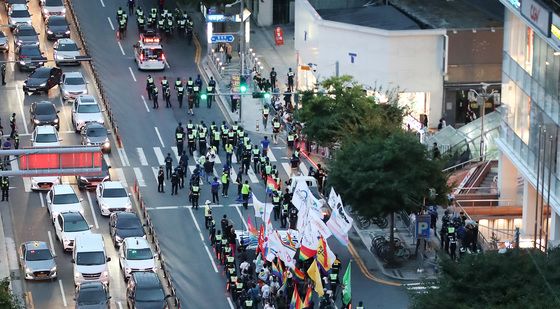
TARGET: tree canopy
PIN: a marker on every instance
(516, 279)
(7, 298)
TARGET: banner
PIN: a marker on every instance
(302, 198)
(325, 256)
(277, 249)
(315, 275)
(259, 207)
(340, 222)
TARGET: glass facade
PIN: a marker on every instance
(530, 96)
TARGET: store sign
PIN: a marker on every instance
(537, 14)
(555, 30)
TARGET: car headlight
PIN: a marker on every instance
(63, 11)
(104, 206)
(67, 32)
(58, 57)
(106, 144)
(77, 274)
(66, 240)
(154, 269)
(43, 85)
(28, 270)
(88, 143)
(105, 274)
(118, 238)
(56, 120)
(22, 62)
(53, 269)
(41, 63)
(128, 270)
(45, 11)
(36, 121)
(65, 92)
(82, 178)
(49, 32)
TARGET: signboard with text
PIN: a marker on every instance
(538, 14)
(555, 30)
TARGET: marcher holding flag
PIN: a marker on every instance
(347, 287)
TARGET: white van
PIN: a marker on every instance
(90, 259)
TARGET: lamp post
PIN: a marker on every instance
(481, 101)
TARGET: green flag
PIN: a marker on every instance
(347, 291)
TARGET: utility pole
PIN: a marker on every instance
(241, 53)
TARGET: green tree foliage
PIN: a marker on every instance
(7, 299)
(516, 279)
(344, 112)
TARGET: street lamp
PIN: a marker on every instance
(481, 101)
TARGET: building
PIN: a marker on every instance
(531, 117)
(430, 59)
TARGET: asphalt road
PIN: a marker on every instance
(147, 137)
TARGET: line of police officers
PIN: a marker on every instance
(191, 87)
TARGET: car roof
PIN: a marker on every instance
(73, 74)
(92, 285)
(87, 99)
(65, 41)
(45, 129)
(44, 103)
(63, 189)
(112, 184)
(136, 243)
(69, 215)
(36, 245)
(94, 125)
(19, 7)
(89, 243)
(23, 26)
(55, 17)
(146, 279)
(126, 214)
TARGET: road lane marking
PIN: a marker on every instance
(120, 46)
(123, 157)
(233, 176)
(26, 180)
(62, 293)
(159, 137)
(119, 303)
(304, 170)
(107, 159)
(42, 198)
(191, 168)
(121, 177)
(156, 170)
(145, 104)
(271, 156)
(203, 243)
(132, 73)
(102, 4)
(111, 23)
(231, 306)
(92, 210)
(176, 153)
(66, 117)
(242, 218)
(252, 176)
(287, 168)
(142, 156)
(217, 160)
(159, 155)
(21, 110)
(51, 241)
(139, 177)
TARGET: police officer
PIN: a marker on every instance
(5, 184)
(180, 93)
(3, 74)
(180, 170)
(207, 214)
(210, 90)
(256, 158)
(141, 22)
(122, 27)
(275, 129)
(191, 139)
(246, 161)
(160, 179)
(245, 191)
(179, 139)
(195, 193)
(225, 183)
(16, 140)
(360, 305)
(149, 86)
(273, 78)
(284, 214)
(293, 217)
(190, 85)
(174, 182)
(216, 140)
(167, 95)
(290, 80)
(168, 165)
(265, 113)
(12, 125)
(229, 153)
(120, 13)
(164, 83)
(196, 94)
(139, 11)
(155, 97)
(276, 200)
(290, 139)
(161, 24)
(203, 132)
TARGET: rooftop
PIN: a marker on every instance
(382, 17)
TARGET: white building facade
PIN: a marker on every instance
(414, 61)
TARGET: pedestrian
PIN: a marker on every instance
(264, 145)
(208, 169)
(161, 179)
(290, 80)
(16, 140)
(207, 214)
(276, 200)
(442, 124)
(174, 182)
(276, 126)
(3, 74)
(436, 154)
(246, 161)
(273, 78)
(229, 153)
(180, 176)
(245, 191)
(194, 194)
(225, 183)
(214, 188)
(167, 94)
(13, 126)
(294, 164)
(255, 152)
(168, 165)
(5, 188)
(239, 182)
(155, 97)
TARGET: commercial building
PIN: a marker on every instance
(528, 173)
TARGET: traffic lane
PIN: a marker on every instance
(188, 261)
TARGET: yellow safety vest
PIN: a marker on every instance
(245, 189)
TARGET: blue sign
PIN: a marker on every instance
(220, 18)
(222, 38)
(423, 226)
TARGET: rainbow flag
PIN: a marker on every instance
(306, 253)
(307, 297)
(280, 270)
(251, 227)
(275, 271)
(296, 303)
(271, 184)
(300, 275)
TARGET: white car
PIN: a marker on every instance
(112, 197)
(19, 14)
(67, 226)
(45, 136)
(63, 198)
(52, 7)
(66, 51)
(84, 110)
(72, 85)
(136, 254)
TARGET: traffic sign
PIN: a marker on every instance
(222, 38)
(423, 226)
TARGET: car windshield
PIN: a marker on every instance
(45, 109)
(26, 32)
(96, 132)
(57, 22)
(114, 192)
(69, 198)
(88, 108)
(20, 13)
(53, 3)
(153, 53)
(41, 73)
(75, 225)
(46, 138)
(38, 255)
(91, 296)
(149, 294)
(67, 47)
(31, 51)
(90, 258)
(139, 254)
(128, 223)
(74, 81)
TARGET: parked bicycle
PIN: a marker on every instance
(380, 246)
(364, 222)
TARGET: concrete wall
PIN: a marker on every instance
(411, 60)
(507, 182)
(264, 17)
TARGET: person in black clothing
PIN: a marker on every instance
(167, 95)
(174, 182)
(168, 165)
(436, 154)
(224, 224)
(273, 78)
(155, 97)
(3, 74)
(180, 177)
(5, 186)
(161, 179)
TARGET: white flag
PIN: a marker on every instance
(259, 207)
(303, 198)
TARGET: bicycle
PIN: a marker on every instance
(364, 222)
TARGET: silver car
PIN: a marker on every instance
(72, 85)
(84, 110)
(52, 7)
(66, 51)
(37, 261)
(19, 14)
(4, 46)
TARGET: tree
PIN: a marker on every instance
(345, 111)
(380, 175)
(7, 298)
(516, 279)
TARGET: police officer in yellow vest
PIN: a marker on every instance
(179, 140)
(225, 183)
(190, 84)
(276, 125)
(360, 305)
(191, 139)
(245, 191)
(195, 194)
(276, 199)
(216, 140)
(229, 154)
(291, 139)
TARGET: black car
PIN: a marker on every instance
(42, 79)
(125, 224)
(95, 134)
(29, 57)
(57, 27)
(25, 35)
(145, 291)
(92, 295)
(44, 113)
(90, 182)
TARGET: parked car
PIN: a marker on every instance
(42, 80)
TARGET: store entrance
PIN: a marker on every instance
(281, 12)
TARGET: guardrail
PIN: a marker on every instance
(97, 79)
(152, 236)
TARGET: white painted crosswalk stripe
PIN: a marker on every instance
(123, 157)
(233, 175)
(176, 153)
(218, 161)
(139, 177)
(304, 170)
(121, 177)
(159, 155)
(271, 156)
(142, 156)
(252, 176)
(419, 287)
(287, 168)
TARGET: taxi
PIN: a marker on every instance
(148, 52)
(37, 260)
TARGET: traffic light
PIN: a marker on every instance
(203, 96)
(242, 85)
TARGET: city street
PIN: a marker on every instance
(147, 136)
